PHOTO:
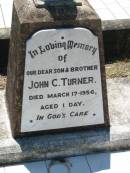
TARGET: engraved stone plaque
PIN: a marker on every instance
(62, 80)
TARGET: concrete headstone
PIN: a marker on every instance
(56, 76)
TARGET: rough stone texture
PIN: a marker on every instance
(117, 137)
(4, 33)
(118, 24)
(27, 19)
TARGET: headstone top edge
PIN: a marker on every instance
(27, 12)
(44, 3)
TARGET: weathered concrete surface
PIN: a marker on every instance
(74, 143)
(118, 24)
(4, 33)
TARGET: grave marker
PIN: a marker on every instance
(56, 77)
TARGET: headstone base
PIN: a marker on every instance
(117, 137)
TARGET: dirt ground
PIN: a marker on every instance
(114, 70)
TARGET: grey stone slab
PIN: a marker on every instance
(117, 24)
(34, 167)
(99, 162)
(49, 146)
(68, 165)
(109, 162)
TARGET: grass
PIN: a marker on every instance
(2, 81)
(118, 69)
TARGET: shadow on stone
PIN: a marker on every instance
(99, 162)
(56, 146)
(116, 45)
